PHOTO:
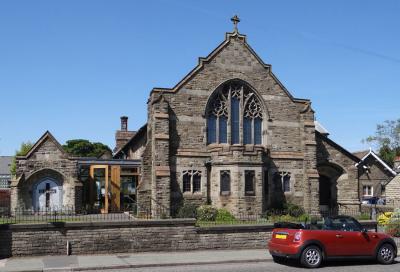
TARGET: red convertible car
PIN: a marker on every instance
(337, 237)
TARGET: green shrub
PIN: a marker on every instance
(206, 213)
(188, 210)
(288, 218)
(363, 216)
(224, 215)
(392, 223)
(393, 229)
(294, 210)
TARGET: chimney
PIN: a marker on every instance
(124, 123)
(397, 164)
(123, 135)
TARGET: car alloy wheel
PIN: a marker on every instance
(311, 257)
(386, 254)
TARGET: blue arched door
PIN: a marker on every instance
(47, 195)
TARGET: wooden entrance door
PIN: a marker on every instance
(108, 194)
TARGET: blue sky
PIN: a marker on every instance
(74, 67)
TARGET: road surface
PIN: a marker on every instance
(337, 266)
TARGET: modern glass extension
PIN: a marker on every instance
(109, 185)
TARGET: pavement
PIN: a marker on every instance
(136, 260)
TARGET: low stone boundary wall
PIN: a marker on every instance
(128, 237)
(125, 237)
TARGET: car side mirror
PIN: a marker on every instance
(364, 230)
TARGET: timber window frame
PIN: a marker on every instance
(368, 191)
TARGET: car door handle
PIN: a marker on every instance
(339, 236)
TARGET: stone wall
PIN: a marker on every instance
(129, 237)
(126, 237)
(392, 192)
(339, 165)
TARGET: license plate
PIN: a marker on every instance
(280, 236)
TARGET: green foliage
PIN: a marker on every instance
(23, 150)
(207, 213)
(387, 140)
(293, 210)
(85, 148)
(188, 210)
(289, 218)
(393, 229)
(363, 216)
(224, 215)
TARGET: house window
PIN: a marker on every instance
(249, 182)
(225, 182)
(235, 102)
(368, 190)
(284, 179)
(191, 181)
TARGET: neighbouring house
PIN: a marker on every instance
(393, 187)
(5, 181)
(374, 175)
(228, 134)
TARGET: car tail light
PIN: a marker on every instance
(297, 236)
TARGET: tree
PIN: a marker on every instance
(85, 148)
(23, 150)
(387, 140)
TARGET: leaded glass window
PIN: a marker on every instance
(235, 103)
(284, 178)
(191, 181)
(186, 183)
(223, 126)
(286, 183)
(196, 182)
(247, 130)
(225, 182)
(257, 130)
(232, 107)
(249, 182)
(211, 129)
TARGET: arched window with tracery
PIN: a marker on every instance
(232, 107)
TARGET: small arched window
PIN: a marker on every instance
(234, 106)
(191, 181)
(225, 182)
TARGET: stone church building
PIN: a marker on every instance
(229, 134)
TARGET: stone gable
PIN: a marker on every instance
(45, 161)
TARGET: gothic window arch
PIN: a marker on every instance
(191, 181)
(225, 182)
(234, 115)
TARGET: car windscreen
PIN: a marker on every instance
(342, 224)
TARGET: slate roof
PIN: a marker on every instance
(373, 154)
(5, 164)
(137, 135)
(320, 128)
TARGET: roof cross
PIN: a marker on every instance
(235, 20)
